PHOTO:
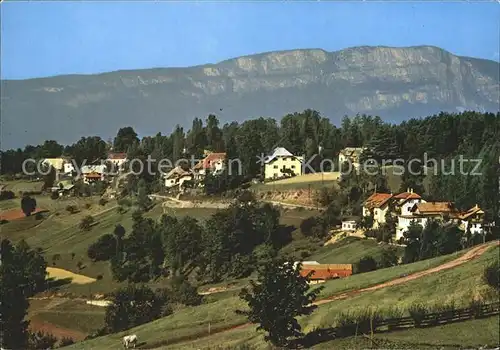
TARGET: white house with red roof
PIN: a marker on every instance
(213, 163)
(377, 206)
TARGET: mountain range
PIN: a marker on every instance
(394, 83)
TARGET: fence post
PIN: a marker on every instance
(371, 329)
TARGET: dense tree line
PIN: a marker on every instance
(229, 244)
(445, 137)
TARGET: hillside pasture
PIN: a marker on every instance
(189, 327)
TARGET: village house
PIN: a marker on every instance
(93, 173)
(281, 163)
(405, 201)
(177, 176)
(351, 155)
(117, 159)
(472, 220)
(377, 206)
(349, 223)
(213, 163)
(422, 212)
(323, 272)
(61, 165)
(64, 188)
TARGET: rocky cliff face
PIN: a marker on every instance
(395, 83)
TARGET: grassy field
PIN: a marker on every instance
(71, 314)
(315, 181)
(468, 334)
(189, 324)
(349, 251)
(67, 238)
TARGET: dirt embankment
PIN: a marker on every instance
(297, 197)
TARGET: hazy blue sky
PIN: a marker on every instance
(51, 38)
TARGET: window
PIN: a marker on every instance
(275, 167)
(293, 166)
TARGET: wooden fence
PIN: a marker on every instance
(442, 317)
(366, 324)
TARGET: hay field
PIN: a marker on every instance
(57, 273)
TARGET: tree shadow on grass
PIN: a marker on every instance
(55, 284)
(314, 338)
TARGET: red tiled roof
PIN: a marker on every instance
(377, 200)
(117, 156)
(209, 159)
(407, 195)
(435, 207)
(93, 175)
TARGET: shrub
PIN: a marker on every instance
(305, 254)
(491, 275)
(102, 202)
(121, 209)
(393, 315)
(5, 195)
(99, 277)
(71, 209)
(306, 226)
(346, 325)
(366, 264)
(38, 216)
(124, 202)
(80, 265)
(65, 341)
(86, 223)
(417, 313)
(41, 340)
(54, 195)
(3, 221)
(476, 307)
(56, 257)
(88, 205)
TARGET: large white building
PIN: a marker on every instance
(282, 163)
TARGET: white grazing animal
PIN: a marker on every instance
(130, 340)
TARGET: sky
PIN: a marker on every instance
(42, 39)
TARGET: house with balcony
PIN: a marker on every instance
(177, 177)
(473, 220)
(93, 173)
(422, 212)
(281, 163)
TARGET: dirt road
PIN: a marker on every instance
(471, 254)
